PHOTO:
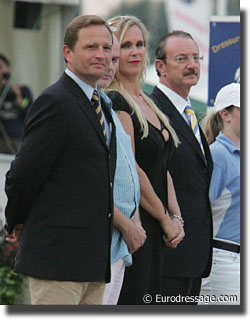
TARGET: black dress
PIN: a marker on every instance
(151, 153)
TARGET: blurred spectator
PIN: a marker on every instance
(14, 103)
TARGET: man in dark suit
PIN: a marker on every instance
(59, 186)
(178, 67)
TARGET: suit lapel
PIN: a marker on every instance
(181, 127)
(209, 159)
(185, 133)
(87, 108)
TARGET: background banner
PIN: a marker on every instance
(224, 54)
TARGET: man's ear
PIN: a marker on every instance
(66, 52)
(160, 67)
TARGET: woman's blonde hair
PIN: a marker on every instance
(212, 124)
(120, 25)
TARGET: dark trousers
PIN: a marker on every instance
(176, 291)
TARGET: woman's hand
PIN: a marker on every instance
(174, 242)
(173, 231)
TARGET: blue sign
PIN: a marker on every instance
(224, 56)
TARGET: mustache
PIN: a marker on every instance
(190, 72)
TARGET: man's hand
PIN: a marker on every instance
(15, 235)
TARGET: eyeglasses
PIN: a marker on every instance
(184, 59)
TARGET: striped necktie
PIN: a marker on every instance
(194, 125)
(96, 104)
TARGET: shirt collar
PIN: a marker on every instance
(86, 88)
(223, 139)
(179, 102)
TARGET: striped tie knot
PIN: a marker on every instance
(194, 124)
(97, 106)
(192, 117)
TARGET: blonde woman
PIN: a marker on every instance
(152, 139)
(222, 129)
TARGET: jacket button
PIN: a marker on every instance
(109, 215)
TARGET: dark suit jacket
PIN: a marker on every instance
(60, 187)
(191, 177)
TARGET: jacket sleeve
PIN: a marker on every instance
(44, 134)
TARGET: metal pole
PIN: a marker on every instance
(222, 7)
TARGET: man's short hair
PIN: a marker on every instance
(160, 49)
(80, 22)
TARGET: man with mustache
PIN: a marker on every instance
(178, 67)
